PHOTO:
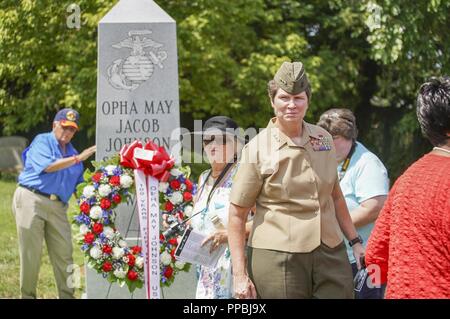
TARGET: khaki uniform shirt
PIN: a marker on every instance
(292, 188)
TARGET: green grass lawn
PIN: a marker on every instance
(9, 253)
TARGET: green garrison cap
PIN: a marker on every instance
(292, 78)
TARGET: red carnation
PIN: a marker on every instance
(97, 228)
(136, 249)
(168, 207)
(107, 266)
(187, 196)
(97, 177)
(131, 260)
(173, 241)
(107, 249)
(85, 208)
(105, 203)
(161, 237)
(114, 180)
(168, 273)
(172, 253)
(117, 199)
(89, 238)
(132, 275)
(175, 184)
(188, 184)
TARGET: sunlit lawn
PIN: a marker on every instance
(9, 254)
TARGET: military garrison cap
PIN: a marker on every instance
(291, 77)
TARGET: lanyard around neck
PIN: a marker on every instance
(347, 162)
(216, 183)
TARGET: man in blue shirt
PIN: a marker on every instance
(363, 180)
(52, 170)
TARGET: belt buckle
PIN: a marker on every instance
(53, 197)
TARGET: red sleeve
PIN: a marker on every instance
(377, 250)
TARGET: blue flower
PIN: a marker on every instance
(83, 219)
(117, 171)
(181, 179)
(84, 247)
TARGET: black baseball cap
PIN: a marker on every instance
(221, 125)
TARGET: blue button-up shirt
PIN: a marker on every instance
(43, 151)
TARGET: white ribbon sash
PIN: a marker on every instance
(153, 245)
(148, 207)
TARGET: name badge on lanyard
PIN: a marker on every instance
(320, 144)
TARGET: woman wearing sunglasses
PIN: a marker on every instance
(222, 145)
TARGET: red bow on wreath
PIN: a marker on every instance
(158, 167)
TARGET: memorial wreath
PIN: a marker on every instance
(110, 184)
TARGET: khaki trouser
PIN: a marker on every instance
(39, 218)
(323, 273)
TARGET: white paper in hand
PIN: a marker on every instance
(190, 250)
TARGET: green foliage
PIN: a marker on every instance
(370, 56)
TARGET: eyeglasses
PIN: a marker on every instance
(218, 139)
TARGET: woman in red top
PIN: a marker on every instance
(411, 239)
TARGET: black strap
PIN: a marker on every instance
(216, 183)
(347, 161)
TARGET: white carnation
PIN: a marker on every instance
(95, 252)
(163, 187)
(109, 232)
(139, 262)
(188, 211)
(176, 198)
(126, 181)
(104, 190)
(110, 169)
(84, 229)
(123, 243)
(179, 264)
(95, 212)
(120, 273)
(89, 191)
(175, 172)
(117, 252)
(166, 259)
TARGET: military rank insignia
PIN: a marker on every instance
(320, 144)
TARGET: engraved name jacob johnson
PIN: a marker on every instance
(135, 124)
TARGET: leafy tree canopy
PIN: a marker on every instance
(370, 56)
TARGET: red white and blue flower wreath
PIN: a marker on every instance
(110, 184)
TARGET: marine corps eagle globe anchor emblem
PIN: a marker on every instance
(131, 72)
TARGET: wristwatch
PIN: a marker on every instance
(355, 240)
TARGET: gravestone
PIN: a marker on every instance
(137, 98)
(11, 148)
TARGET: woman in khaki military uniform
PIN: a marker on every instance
(289, 170)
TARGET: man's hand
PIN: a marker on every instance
(243, 287)
(87, 153)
